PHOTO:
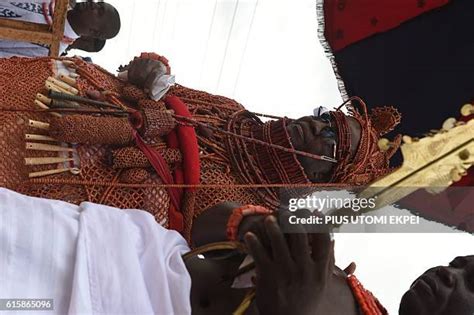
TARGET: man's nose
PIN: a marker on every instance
(446, 276)
(317, 126)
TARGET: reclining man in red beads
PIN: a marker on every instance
(181, 151)
(180, 156)
(175, 152)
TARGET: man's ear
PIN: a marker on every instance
(351, 268)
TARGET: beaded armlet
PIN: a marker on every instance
(368, 303)
(237, 216)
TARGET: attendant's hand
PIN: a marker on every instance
(142, 72)
(292, 272)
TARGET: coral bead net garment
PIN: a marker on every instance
(105, 158)
(113, 170)
(143, 162)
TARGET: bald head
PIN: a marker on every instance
(98, 20)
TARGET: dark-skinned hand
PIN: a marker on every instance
(143, 72)
(293, 271)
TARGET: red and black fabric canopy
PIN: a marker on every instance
(415, 55)
(349, 21)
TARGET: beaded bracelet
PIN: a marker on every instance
(367, 302)
(237, 216)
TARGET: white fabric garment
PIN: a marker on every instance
(29, 12)
(91, 259)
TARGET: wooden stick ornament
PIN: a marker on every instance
(47, 147)
(46, 160)
(63, 85)
(53, 87)
(42, 98)
(68, 80)
(72, 170)
(33, 137)
(43, 106)
(38, 124)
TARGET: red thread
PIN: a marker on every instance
(159, 164)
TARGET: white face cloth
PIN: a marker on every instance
(90, 259)
(161, 85)
(318, 111)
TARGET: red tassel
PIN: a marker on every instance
(187, 142)
(159, 164)
(175, 217)
(184, 138)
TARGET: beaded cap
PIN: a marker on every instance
(369, 161)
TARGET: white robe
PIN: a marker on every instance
(90, 259)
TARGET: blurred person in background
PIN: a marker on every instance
(85, 20)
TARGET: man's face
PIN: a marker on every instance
(94, 20)
(442, 290)
(86, 44)
(318, 135)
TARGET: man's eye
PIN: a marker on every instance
(325, 116)
(328, 132)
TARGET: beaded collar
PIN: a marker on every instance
(257, 163)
